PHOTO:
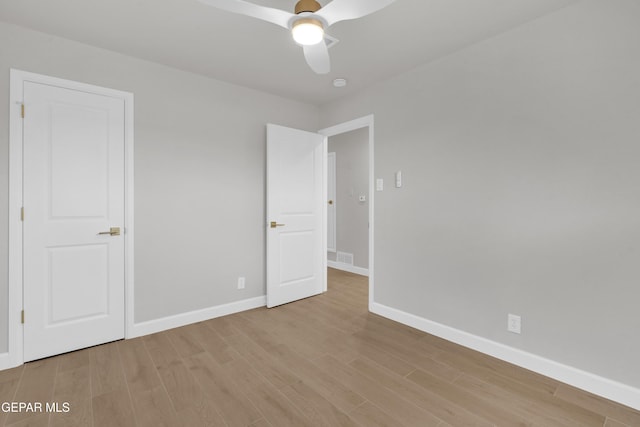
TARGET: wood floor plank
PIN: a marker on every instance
(261, 423)
(8, 388)
(11, 374)
(184, 390)
(532, 404)
(256, 332)
(225, 395)
(161, 349)
(494, 412)
(213, 343)
(287, 333)
(613, 423)
(153, 409)
(602, 406)
(113, 409)
(404, 412)
(185, 393)
(381, 357)
(73, 387)
(340, 395)
(107, 373)
(410, 353)
(319, 310)
(40, 420)
(269, 367)
(316, 408)
(80, 415)
(74, 360)
(138, 366)
(369, 415)
(326, 337)
(36, 386)
(222, 325)
(274, 406)
(443, 409)
(184, 341)
(204, 415)
(484, 366)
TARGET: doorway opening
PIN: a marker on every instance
(350, 197)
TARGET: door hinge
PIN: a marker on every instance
(22, 317)
(21, 214)
(22, 111)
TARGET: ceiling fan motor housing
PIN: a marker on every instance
(310, 6)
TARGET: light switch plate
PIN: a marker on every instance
(398, 179)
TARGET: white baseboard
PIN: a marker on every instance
(587, 381)
(348, 267)
(182, 319)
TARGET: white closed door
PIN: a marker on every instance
(73, 219)
(296, 205)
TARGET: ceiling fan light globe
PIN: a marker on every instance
(307, 32)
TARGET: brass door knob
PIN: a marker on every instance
(330, 202)
(275, 224)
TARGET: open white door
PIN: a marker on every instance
(73, 219)
(296, 205)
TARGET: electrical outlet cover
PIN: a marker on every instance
(514, 323)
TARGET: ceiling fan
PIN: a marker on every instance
(308, 23)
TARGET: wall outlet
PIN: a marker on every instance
(513, 323)
(240, 282)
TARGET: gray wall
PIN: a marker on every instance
(352, 180)
(521, 160)
(199, 171)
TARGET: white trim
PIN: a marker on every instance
(14, 348)
(129, 265)
(362, 122)
(331, 173)
(348, 267)
(17, 78)
(182, 319)
(325, 189)
(592, 383)
(5, 361)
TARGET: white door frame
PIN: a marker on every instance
(331, 161)
(14, 356)
(362, 122)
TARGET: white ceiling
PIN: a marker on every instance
(191, 36)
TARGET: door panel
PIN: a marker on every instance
(297, 246)
(73, 190)
(82, 133)
(295, 201)
(76, 273)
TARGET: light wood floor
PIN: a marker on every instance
(323, 361)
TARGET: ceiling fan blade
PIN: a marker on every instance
(317, 56)
(269, 14)
(342, 10)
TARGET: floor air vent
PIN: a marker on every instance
(344, 257)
